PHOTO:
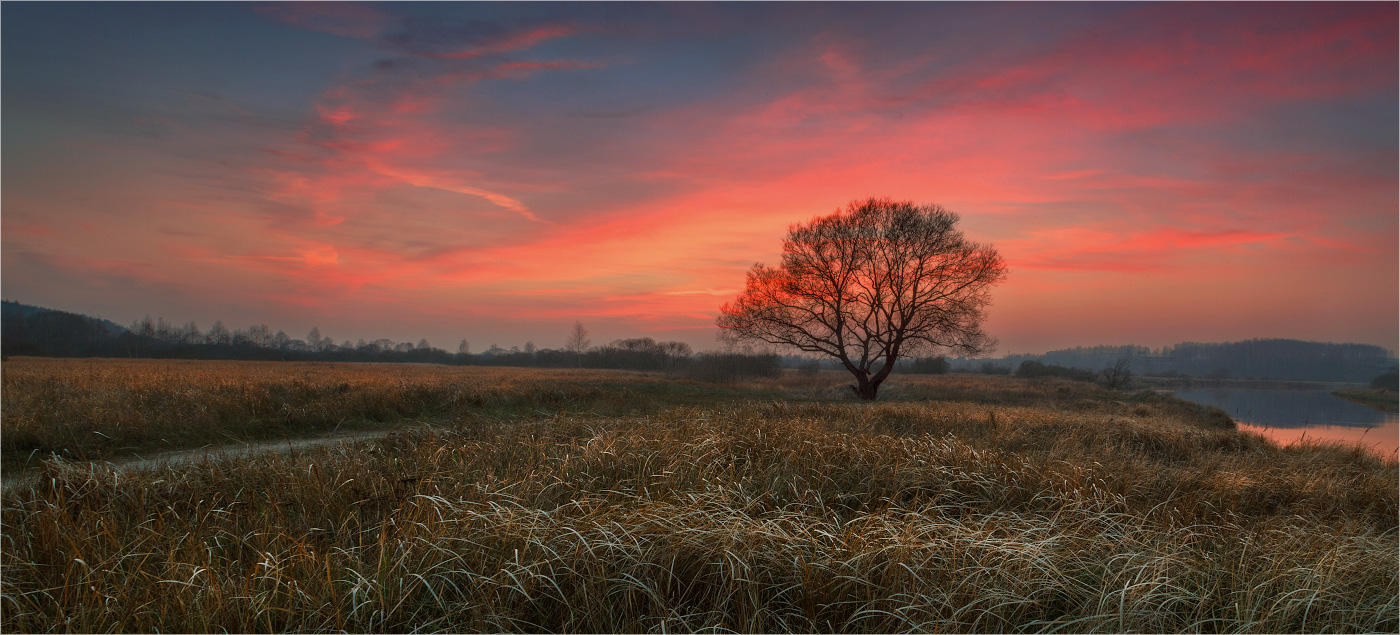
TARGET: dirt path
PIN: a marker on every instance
(16, 479)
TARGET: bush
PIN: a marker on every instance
(1117, 376)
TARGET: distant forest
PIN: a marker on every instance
(1276, 359)
(31, 330)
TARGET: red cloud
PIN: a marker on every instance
(377, 132)
(1075, 249)
(414, 182)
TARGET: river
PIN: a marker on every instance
(1289, 415)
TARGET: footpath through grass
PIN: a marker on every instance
(956, 503)
(105, 409)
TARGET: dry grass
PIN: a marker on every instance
(103, 409)
(1015, 507)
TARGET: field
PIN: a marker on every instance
(597, 501)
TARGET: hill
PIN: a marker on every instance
(32, 330)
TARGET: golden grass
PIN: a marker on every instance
(101, 409)
(1018, 506)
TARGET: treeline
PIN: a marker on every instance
(641, 353)
(1031, 369)
(1274, 359)
(29, 330)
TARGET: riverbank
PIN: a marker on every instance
(1191, 383)
(960, 504)
(1378, 398)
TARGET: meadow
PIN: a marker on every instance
(510, 500)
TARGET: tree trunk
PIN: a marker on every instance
(865, 389)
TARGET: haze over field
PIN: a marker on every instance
(1151, 173)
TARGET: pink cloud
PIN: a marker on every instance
(1080, 249)
(379, 131)
(440, 183)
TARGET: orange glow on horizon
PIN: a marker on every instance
(1151, 173)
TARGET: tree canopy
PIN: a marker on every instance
(867, 285)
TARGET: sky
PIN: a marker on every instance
(1152, 173)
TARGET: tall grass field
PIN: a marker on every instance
(513, 500)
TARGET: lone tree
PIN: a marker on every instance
(867, 285)
(577, 342)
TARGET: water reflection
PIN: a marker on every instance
(1289, 415)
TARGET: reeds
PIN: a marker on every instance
(1047, 511)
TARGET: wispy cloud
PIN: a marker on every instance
(506, 167)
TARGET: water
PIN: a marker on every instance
(1289, 415)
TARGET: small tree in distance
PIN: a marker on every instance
(577, 342)
(867, 285)
(1117, 376)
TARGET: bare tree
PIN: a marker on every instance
(675, 352)
(577, 342)
(260, 335)
(218, 334)
(867, 285)
(463, 348)
(144, 327)
(1117, 376)
(313, 338)
(190, 333)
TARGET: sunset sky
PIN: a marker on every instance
(1152, 173)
